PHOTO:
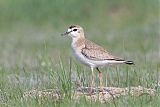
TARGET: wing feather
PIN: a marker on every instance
(97, 53)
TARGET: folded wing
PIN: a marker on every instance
(95, 52)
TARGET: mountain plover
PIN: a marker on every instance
(91, 54)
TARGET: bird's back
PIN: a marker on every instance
(96, 52)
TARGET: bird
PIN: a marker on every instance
(90, 53)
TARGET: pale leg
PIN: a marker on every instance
(100, 79)
(92, 80)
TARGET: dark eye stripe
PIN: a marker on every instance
(74, 29)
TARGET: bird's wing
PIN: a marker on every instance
(95, 52)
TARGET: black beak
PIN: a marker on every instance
(66, 33)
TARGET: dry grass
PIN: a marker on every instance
(109, 93)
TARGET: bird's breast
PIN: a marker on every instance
(78, 55)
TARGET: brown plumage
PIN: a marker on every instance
(94, 51)
(91, 54)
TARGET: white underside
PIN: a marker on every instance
(89, 62)
(92, 63)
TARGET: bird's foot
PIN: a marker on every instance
(91, 91)
(102, 91)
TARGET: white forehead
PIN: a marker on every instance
(69, 30)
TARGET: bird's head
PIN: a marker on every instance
(74, 31)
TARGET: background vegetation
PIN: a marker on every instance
(33, 55)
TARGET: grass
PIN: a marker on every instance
(33, 55)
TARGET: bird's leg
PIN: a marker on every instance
(92, 80)
(100, 79)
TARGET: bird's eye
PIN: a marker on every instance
(74, 29)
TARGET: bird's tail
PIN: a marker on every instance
(129, 62)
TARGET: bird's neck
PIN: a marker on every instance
(78, 42)
(78, 39)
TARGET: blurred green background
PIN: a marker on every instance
(105, 14)
(32, 50)
(26, 25)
